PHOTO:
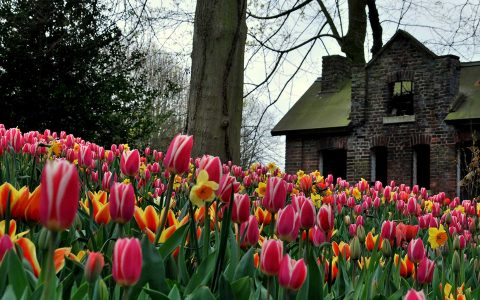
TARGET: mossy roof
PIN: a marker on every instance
(469, 92)
(317, 111)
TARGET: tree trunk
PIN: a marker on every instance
(353, 42)
(216, 86)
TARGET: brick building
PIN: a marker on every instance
(407, 115)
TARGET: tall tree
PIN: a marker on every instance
(63, 66)
(216, 85)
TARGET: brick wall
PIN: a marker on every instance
(335, 70)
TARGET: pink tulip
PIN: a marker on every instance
(425, 270)
(212, 165)
(325, 218)
(241, 208)
(177, 159)
(85, 156)
(271, 256)
(307, 214)
(288, 224)
(121, 202)
(130, 162)
(127, 261)
(225, 188)
(388, 230)
(275, 195)
(297, 201)
(416, 250)
(292, 273)
(252, 234)
(6, 245)
(415, 295)
(318, 236)
(59, 195)
(94, 266)
(412, 206)
(352, 230)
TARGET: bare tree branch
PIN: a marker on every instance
(284, 13)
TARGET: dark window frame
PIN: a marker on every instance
(401, 101)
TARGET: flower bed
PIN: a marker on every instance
(81, 221)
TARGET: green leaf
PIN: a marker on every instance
(242, 288)
(3, 276)
(174, 294)
(245, 267)
(183, 275)
(314, 290)
(225, 288)
(397, 295)
(16, 274)
(201, 293)
(9, 293)
(155, 295)
(203, 274)
(153, 270)
(173, 242)
(81, 292)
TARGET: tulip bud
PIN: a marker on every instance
(121, 202)
(288, 224)
(292, 273)
(59, 195)
(307, 215)
(425, 271)
(456, 262)
(361, 233)
(212, 165)
(241, 208)
(325, 218)
(130, 162)
(347, 220)
(414, 295)
(386, 248)
(94, 266)
(177, 159)
(127, 261)
(355, 248)
(101, 290)
(228, 185)
(253, 233)
(275, 195)
(271, 256)
(456, 243)
(388, 230)
(416, 250)
(43, 239)
(6, 245)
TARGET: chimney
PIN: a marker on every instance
(335, 70)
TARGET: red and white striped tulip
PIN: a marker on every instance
(59, 195)
(228, 185)
(241, 208)
(212, 165)
(121, 202)
(275, 195)
(127, 261)
(177, 159)
(271, 256)
(416, 250)
(292, 273)
(94, 266)
(307, 214)
(288, 224)
(415, 295)
(325, 218)
(252, 234)
(130, 162)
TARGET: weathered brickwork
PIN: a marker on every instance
(435, 85)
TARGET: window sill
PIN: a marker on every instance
(399, 119)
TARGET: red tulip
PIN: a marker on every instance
(425, 270)
(325, 218)
(412, 206)
(415, 295)
(121, 202)
(5, 245)
(177, 159)
(212, 165)
(94, 266)
(225, 190)
(388, 230)
(292, 273)
(59, 195)
(241, 208)
(307, 214)
(251, 236)
(85, 156)
(271, 256)
(275, 195)
(416, 250)
(305, 183)
(288, 224)
(127, 261)
(130, 162)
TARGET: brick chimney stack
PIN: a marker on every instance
(335, 70)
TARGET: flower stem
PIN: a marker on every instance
(167, 205)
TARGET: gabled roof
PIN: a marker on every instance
(468, 107)
(399, 34)
(317, 111)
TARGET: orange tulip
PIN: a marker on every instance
(18, 200)
(342, 248)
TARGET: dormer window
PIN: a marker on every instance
(401, 101)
